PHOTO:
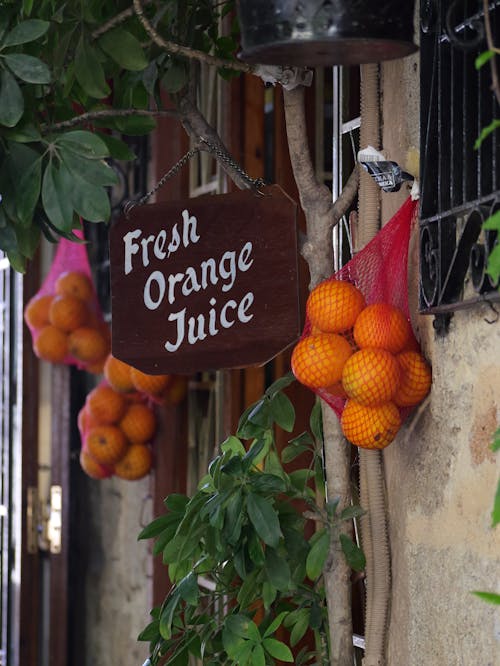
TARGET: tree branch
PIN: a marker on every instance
(491, 46)
(107, 113)
(321, 213)
(115, 20)
(186, 51)
(205, 137)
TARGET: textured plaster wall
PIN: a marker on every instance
(118, 586)
(441, 474)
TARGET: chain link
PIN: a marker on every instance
(223, 156)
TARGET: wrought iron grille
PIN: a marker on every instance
(460, 183)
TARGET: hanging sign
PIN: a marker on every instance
(205, 283)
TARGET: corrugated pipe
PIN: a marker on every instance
(374, 530)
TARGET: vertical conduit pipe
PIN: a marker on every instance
(374, 530)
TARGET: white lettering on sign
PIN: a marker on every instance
(161, 285)
(196, 325)
(189, 235)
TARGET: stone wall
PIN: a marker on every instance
(441, 474)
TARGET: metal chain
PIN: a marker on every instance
(223, 156)
(128, 205)
(255, 183)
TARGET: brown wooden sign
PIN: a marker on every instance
(205, 283)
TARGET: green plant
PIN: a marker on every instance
(248, 528)
(74, 77)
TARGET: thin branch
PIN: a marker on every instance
(108, 113)
(114, 21)
(185, 51)
(491, 46)
(205, 137)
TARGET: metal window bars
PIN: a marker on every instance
(460, 183)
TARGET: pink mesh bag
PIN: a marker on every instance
(64, 317)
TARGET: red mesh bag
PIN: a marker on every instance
(358, 351)
(64, 316)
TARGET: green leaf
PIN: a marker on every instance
(176, 502)
(167, 616)
(495, 514)
(89, 72)
(188, 589)
(267, 483)
(278, 570)
(317, 555)
(234, 445)
(353, 554)
(56, 198)
(151, 632)
(29, 191)
(283, 411)
(175, 77)
(8, 239)
(258, 656)
(277, 649)
(28, 68)
(135, 125)
(23, 134)
(124, 49)
(291, 452)
(493, 222)
(117, 148)
(17, 261)
(27, 6)
(352, 512)
(493, 267)
(490, 597)
(300, 626)
(255, 550)
(11, 100)
(280, 384)
(486, 131)
(264, 519)
(90, 201)
(483, 58)
(85, 144)
(26, 31)
(95, 172)
(275, 624)
(154, 528)
(268, 594)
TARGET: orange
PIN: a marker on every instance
(318, 360)
(382, 326)
(333, 306)
(152, 384)
(85, 420)
(138, 424)
(336, 390)
(87, 345)
(74, 283)
(51, 344)
(370, 427)
(36, 312)
(92, 468)
(118, 374)
(96, 367)
(68, 313)
(106, 444)
(371, 376)
(136, 463)
(105, 405)
(416, 379)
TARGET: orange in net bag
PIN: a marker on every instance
(64, 317)
(357, 350)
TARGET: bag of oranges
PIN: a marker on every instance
(116, 431)
(358, 351)
(64, 317)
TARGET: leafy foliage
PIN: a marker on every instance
(60, 59)
(245, 530)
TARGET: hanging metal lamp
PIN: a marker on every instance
(325, 32)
